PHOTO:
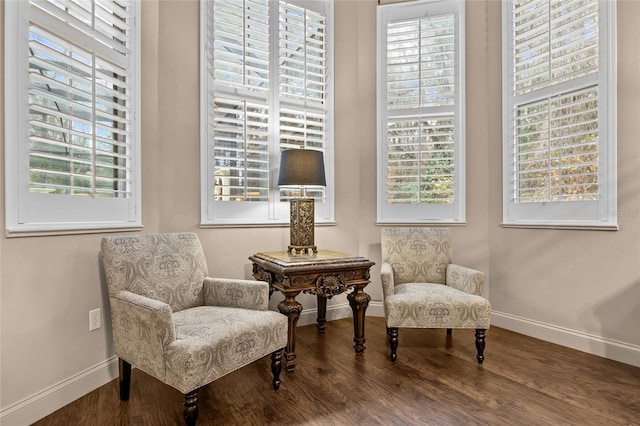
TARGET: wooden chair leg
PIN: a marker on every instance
(480, 334)
(393, 342)
(124, 370)
(191, 407)
(276, 367)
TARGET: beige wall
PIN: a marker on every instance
(585, 281)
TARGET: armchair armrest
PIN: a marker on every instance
(465, 279)
(142, 328)
(388, 283)
(236, 293)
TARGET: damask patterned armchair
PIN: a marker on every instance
(423, 289)
(177, 324)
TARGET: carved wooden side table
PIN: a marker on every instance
(325, 274)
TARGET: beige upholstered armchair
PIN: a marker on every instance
(177, 324)
(423, 289)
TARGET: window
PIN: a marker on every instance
(71, 133)
(559, 113)
(421, 134)
(266, 85)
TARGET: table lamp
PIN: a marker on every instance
(302, 168)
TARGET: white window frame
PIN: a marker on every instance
(25, 212)
(589, 214)
(422, 213)
(275, 211)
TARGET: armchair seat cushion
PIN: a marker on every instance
(428, 305)
(212, 341)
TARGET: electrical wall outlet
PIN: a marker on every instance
(94, 319)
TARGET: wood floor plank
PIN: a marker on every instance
(435, 381)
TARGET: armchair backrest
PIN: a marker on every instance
(167, 267)
(417, 255)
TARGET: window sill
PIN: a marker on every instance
(575, 227)
(425, 223)
(257, 225)
(56, 232)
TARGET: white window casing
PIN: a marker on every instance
(72, 156)
(266, 80)
(559, 112)
(421, 107)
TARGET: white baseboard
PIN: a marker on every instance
(45, 402)
(375, 309)
(589, 343)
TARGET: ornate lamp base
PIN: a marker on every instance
(302, 225)
(301, 249)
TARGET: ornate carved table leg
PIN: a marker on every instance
(291, 308)
(327, 286)
(359, 300)
(321, 321)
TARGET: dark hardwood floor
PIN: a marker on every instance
(436, 381)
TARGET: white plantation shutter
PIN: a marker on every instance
(106, 22)
(241, 153)
(420, 154)
(266, 79)
(421, 125)
(303, 78)
(421, 61)
(556, 148)
(79, 121)
(77, 164)
(240, 43)
(553, 41)
(560, 142)
(302, 54)
(237, 103)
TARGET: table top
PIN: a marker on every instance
(286, 260)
